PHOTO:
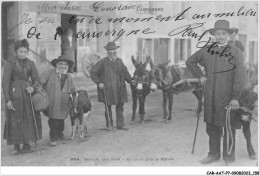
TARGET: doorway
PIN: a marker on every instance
(8, 37)
(69, 44)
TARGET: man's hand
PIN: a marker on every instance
(133, 82)
(101, 86)
(234, 104)
(37, 87)
(10, 105)
(203, 80)
(29, 89)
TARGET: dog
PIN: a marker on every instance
(80, 112)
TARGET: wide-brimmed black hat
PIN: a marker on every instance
(111, 46)
(62, 58)
(221, 24)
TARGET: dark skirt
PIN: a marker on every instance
(20, 125)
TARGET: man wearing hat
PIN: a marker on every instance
(234, 41)
(56, 82)
(224, 82)
(110, 75)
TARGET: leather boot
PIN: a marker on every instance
(17, 149)
(210, 159)
(26, 147)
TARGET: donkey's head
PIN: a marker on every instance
(141, 75)
(74, 100)
(164, 75)
(159, 73)
(248, 102)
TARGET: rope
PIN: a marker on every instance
(229, 130)
(228, 126)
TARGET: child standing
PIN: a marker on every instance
(57, 82)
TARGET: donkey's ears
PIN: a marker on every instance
(134, 61)
(151, 63)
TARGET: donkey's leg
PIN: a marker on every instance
(110, 115)
(141, 110)
(247, 134)
(134, 106)
(81, 135)
(86, 117)
(165, 100)
(170, 97)
(73, 127)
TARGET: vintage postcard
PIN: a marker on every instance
(144, 84)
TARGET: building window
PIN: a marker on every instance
(156, 48)
(86, 44)
(182, 50)
(145, 49)
(84, 27)
(252, 52)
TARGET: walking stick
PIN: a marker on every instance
(198, 117)
(106, 106)
(34, 120)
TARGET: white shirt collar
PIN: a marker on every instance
(57, 71)
(113, 60)
(223, 44)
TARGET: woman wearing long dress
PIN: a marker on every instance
(19, 77)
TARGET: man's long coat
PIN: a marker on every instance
(59, 100)
(113, 75)
(225, 80)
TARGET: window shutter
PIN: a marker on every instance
(176, 50)
(140, 49)
(156, 52)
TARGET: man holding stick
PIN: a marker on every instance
(224, 82)
(110, 75)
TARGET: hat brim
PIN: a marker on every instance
(113, 48)
(213, 30)
(55, 61)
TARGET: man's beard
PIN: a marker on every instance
(112, 56)
(62, 71)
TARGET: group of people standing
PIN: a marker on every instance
(21, 80)
(222, 89)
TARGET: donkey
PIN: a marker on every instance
(141, 87)
(80, 112)
(174, 79)
(247, 102)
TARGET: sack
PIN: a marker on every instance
(40, 100)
